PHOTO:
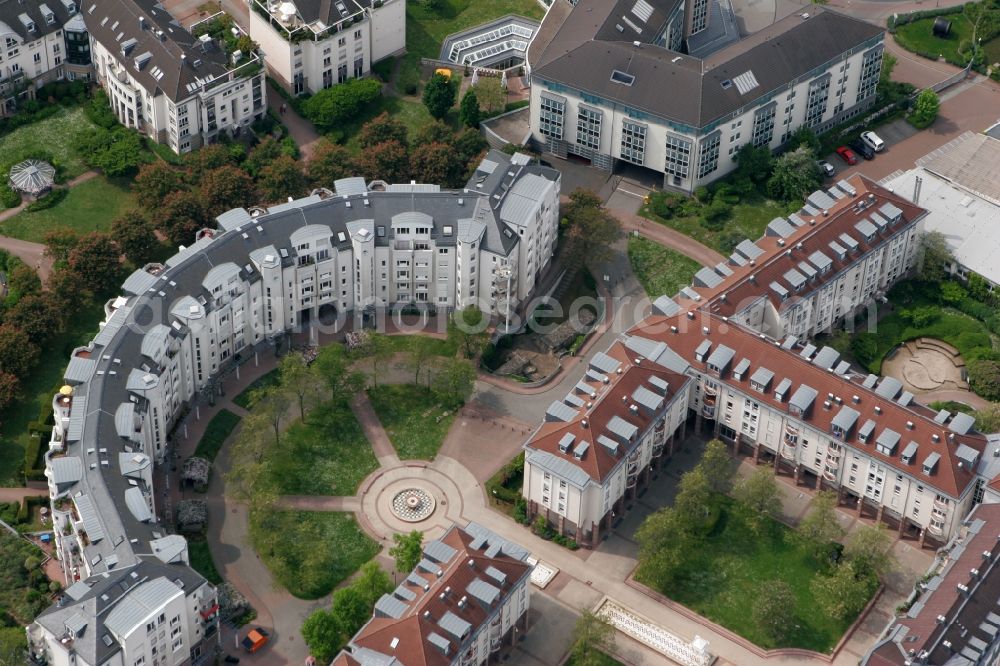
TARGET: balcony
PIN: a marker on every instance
(940, 514)
(632, 470)
(710, 391)
(940, 506)
(936, 530)
(496, 634)
(830, 473)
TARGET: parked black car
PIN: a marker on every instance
(230, 659)
(863, 149)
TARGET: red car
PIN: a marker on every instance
(847, 155)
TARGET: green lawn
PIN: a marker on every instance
(53, 136)
(412, 114)
(725, 575)
(426, 28)
(216, 433)
(749, 219)
(269, 379)
(919, 37)
(413, 417)
(90, 206)
(660, 270)
(434, 346)
(201, 559)
(38, 388)
(327, 454)
(309, 553)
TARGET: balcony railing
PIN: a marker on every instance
(830, 474)
(940, 506)
(935, 529)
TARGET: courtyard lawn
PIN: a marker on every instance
(216, 432)
(38, 388)
(434, 346)
(413, 417)
(660, 270)
(309, 553)
(749, 219)
(412, 114)
(90, 206)
(201, 559)
(919, 38)
(723, 578)
(327, 454)
(427, 27)
(53, 136)
(269, 379)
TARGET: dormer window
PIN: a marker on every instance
(50, 18)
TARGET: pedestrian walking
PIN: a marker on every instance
(282, 109)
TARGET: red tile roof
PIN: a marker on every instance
(613, 398)
(407, 638)
(951, 477)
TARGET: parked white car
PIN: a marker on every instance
(873, 140)
(826, 168)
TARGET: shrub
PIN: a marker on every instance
(48, 201)
(99, 111)
(8, 197)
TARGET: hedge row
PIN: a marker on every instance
(897, 20)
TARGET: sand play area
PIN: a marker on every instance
(925, 365)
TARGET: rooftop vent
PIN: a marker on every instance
(621, 77)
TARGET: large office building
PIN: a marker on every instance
(39, 42)
(613, 82)
(180, 90)
(312, 45)
(177, 325)
(959, 185)
(730, 357)
(466, 599)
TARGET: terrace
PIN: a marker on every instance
(286, 19)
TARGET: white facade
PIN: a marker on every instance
(307, 53)
(32, 44)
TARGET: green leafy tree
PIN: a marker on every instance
(329, 162)
(350, 610)
(300, 379)
(95, 261)
(37, 314)
(382, 128)
(717, 467)
(263, 154)
(333, 366)
(754, 163)
(773, 610)
(333, 106)
(417, 360)
(869, 550)
(23, 280)
(224, 188)
(59, 242)
(925, 109)
(922, 316)
(468, 111)
(935, 256)
(322, 634)
(843, 593)
(408, 550)
(984, 376)
(468, 326)
(760, 496)
(135, 238)
(819, 529)
(694, 499)
(665, 542)
(10, 390)
(387, 161)
(270, 405)
(17, 352)
(979, 288)
(592, 639)
(205, 159)
(116, 152)
(435, 163)
(439, 95)
(372, 582)
(282, 178)
(794, 175)
(805, 137)
(454, 380)
(435, 131)
(591, 230)
(888, 65)
(180, 216)
(492, 96)
(154, 182)
(988, 418)
(952, 292)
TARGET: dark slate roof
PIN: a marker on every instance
(582, 56)
(327, 11)
(649, 16)
(11, 13)
(114, 22)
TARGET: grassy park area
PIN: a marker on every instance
(327, 454)
(660, 270)
(53, 137)
(216, 432)
(309, 553)
(90, 206)
(413, 417)
(722, 579)
(265, 380)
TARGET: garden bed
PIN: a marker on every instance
(216, 433)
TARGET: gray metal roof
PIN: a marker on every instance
(821, 200)
(803, 397)
(417, 580)
(390, 606)
(611, 445)
(866, 228)
(826, 358)
(659, 384)
(778, 289)
(706, 277)
(604, 363)
(741, 367)
(125, 421)
(789, 342)
(843, 368)
(782, 388)
(665, 306)
(648, 399)
(889, 387)
(560, 411)
(762, 376)
(820, 260)
(622, 428)
(749, 249)
(483, 591)
(962, 423)
(566, 442)
(80, 370)
(967, 455)
(721, 357)
(114, 323)
(581, 450)
(77, 418)
(136, 503)
(404, 593)
(132, 464)
(722, 269)
(870, 381)
(454, 625)
(76, 623)
(439, 641)
(905, 399)
(497, 575)
(942, 416)
(439, 551)
(911, 450)
(138, 282)
(428, 566)
(838, 249)
(890, 211)
(136, 607)
(703, 348)
(846, 418)
(350, 186)
(574, 400)
(558, 467)
(65, 470)
(888, 439)
(867, 429)
(779, 226)
(77, 590)
(233, 219)
(931, 461)
(794, 278)
(878, 220)
(846, 187)
(154, 343)
(849, 241)
(808, 351)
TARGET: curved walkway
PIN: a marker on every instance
(668, 237)
(945, 395)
